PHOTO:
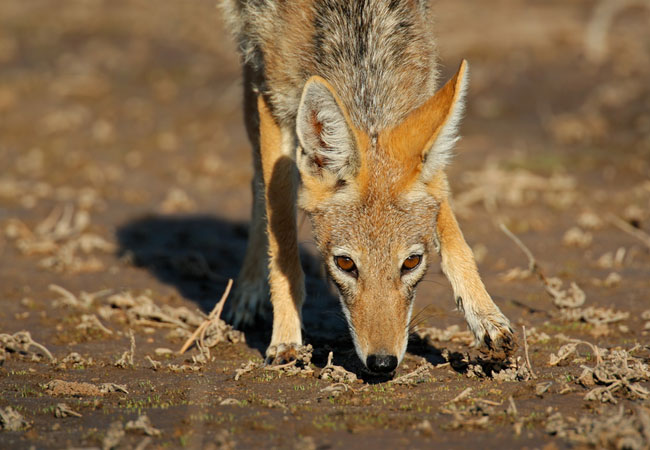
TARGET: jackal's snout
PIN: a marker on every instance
(381, 363)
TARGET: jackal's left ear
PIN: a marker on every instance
(430, 132)
(324, 130)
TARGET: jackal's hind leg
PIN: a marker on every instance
(484, 318)
(250, 300)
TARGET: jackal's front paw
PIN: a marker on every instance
(285, 353)
(249, 303)
(494, 336)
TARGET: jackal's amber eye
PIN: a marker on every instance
(411, 262)
(346, 264)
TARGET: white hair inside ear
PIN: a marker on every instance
(438, 156)
(323, 131)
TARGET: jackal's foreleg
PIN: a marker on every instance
(286, 279)
(488, 324)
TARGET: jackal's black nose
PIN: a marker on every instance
(381, 363)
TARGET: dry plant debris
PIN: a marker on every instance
(143, 424)
(223, 440)
(12, 420)
(126, 360)
(305, 443)
(21, 343)
(421, 374)
(342, 379)
(516, 370)
(60, 239)
(113, 436)
(337, 374)
(576, 237)
(155, 365)
(569, 349)
(91, 322)
(299, 364)
(83, 301)
(603, 15)
(535, 336)
(610, 260)
(493, 184)
(617, 371)
(177, 201)
(529, 366)
(245, 368)
(590, 220)
(180, 368)
(594, 315)
(141, 310)
(76, 361)
(613, 279)
(629, 229)
(511, 369)
(645, 315)
(60, 388)
(63, 410)
(571, 299)
(476, 416)
(542, 388)
(615, 430)
(462, 396)
(452, 333)
(212, 326)
(336, 389)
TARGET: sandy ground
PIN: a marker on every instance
(124, 200)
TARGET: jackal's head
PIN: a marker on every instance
(373, 202)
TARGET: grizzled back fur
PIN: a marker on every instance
(378, 55)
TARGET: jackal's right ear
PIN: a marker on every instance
(325, 134)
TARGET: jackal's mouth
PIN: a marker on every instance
(371, 377)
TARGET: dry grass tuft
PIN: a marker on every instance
(22, 344)
(62, 240)
(12, 420)
(337, 374)
(619, 430)
(142, 424)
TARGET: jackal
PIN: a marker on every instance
(343, 115)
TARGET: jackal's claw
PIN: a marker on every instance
(499, 343)
(286, 353)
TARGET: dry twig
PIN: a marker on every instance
(530, 367)
(462, 396)
(214, 316)
(629, 229)
(533, 267)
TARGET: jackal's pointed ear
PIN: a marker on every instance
(325, 133)
(430, 132)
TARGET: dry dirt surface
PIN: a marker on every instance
(124, 200)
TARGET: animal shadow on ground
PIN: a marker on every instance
(197, 255)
